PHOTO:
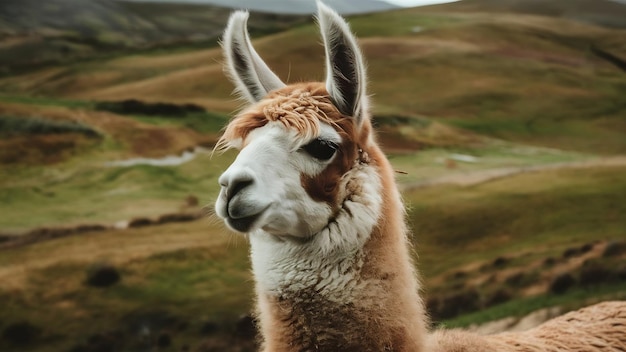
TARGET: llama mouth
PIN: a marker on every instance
(242, 224)
(241, 216)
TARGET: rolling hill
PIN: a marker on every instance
(527, 78)
(603, 12)
(523, 107)
(300, 7)
(33, 34)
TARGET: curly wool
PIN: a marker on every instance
(597, 328)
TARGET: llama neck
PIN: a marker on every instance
(359, 294)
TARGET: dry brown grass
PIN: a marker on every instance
(140, 139)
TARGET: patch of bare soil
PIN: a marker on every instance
(141, 139)
(42, 149)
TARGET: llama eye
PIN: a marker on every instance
(321, 149)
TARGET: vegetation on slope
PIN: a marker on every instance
(446, 81)
(524, 78)
(191, 281)
(34, 34)
(602, 12)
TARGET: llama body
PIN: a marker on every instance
(598, 328)
(332, 291)
(318, 200)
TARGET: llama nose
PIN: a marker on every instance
(235, 184)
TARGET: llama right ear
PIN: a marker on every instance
(252, 77)
(345, 70)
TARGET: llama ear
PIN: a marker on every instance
(251, 75)
(345, 70)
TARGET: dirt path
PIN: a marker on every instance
(476, 177)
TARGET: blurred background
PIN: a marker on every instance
(506, 121)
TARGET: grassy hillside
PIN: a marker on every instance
(477, 91)
(603, 12)
(181, 279)
(34, 34)
(525, 78)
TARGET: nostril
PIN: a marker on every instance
(223, 180)
(236, 187)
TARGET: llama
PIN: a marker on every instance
(317, 199)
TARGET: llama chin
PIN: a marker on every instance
(326, 224)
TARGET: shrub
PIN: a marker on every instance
(140, 222)
(571, 252)
(21, 333)
(246, 327)
(587, 247)
(458, 303)
(136, 107)
(592, 273)
(500, 262)
(164, 340)
(102, 275)
(177, 217)
(497, 297)
(548, 262)
(614, 248)
(515, 280)
(209, 327)
(16, 126)
(562, 283)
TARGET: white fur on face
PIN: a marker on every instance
(331, 260)
(292, 236)
(274, 200)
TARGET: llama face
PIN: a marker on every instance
(299, 143)
(287, 178)
(263, 188)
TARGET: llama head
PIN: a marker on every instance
(303, 147)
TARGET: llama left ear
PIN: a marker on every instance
(345, 70)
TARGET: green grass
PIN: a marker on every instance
(193, 273)
(83, 190)
(66, 194)
(524, 79)
(430, 163)
(205, 279)
(513, 80)
(45, 101)
(400, 23)
(543, 213)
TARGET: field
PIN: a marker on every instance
(507, 131)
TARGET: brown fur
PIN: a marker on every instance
(299, 107)
(389, 262)
(598, 328)
(389, 315)
(324, 187)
